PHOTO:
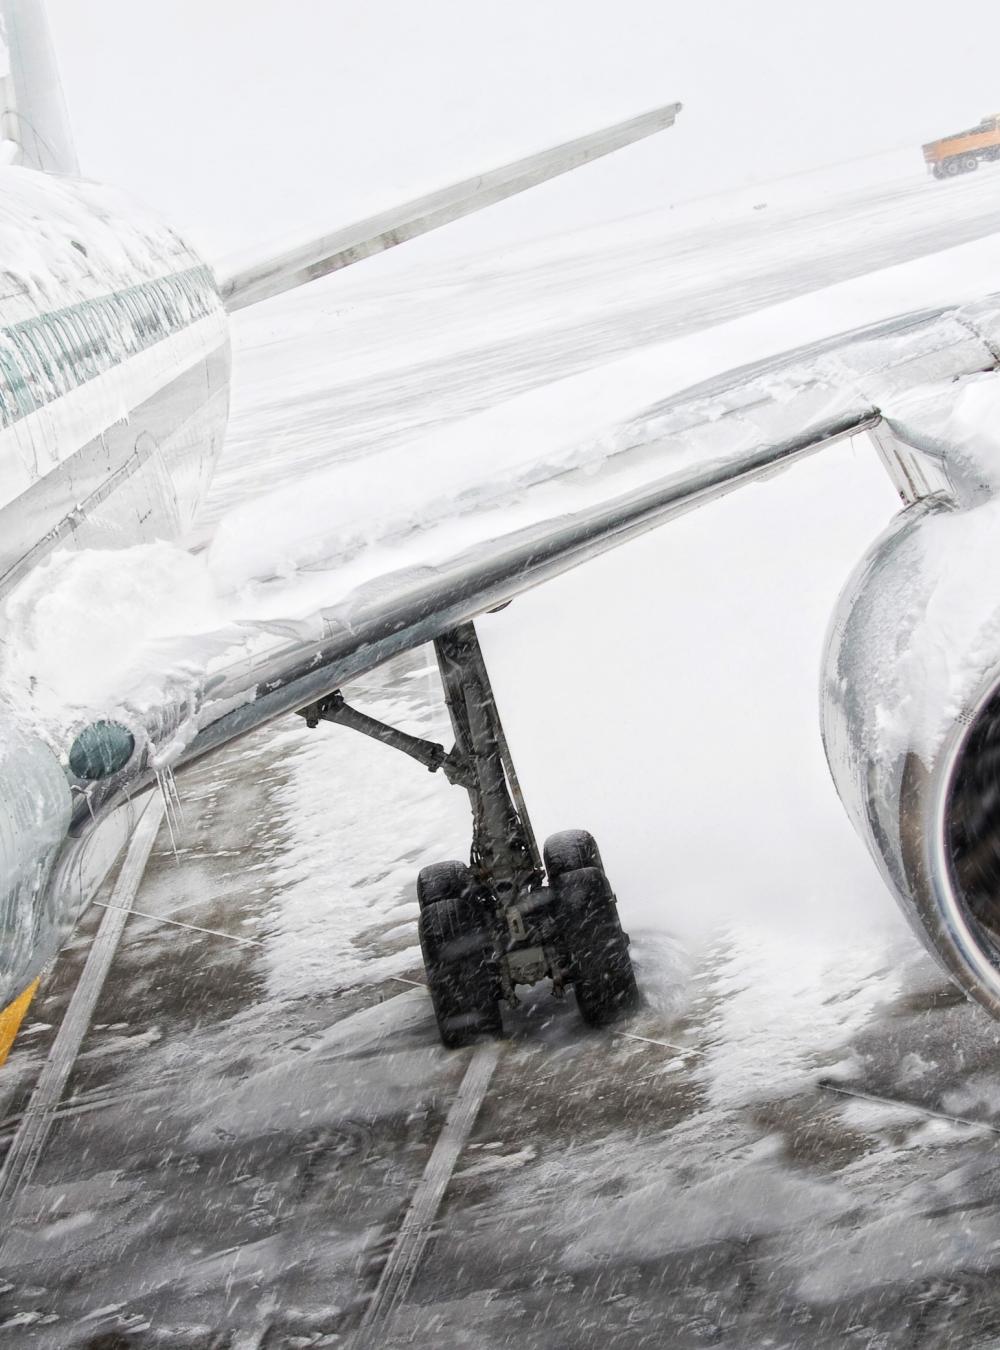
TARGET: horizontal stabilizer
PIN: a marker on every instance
(283, 271)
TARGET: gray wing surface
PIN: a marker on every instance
(282, 271)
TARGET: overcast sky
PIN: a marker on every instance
(244, 121)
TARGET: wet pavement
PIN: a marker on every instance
(261, 1088)
(243, 1132)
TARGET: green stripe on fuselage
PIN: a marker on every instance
(45, 357)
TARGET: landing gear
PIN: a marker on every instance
(463, 976)
(443, 880)
(569, 850)
(494, 924)
(596, 949)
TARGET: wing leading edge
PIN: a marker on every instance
(269, 276)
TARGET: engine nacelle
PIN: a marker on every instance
(911, 711)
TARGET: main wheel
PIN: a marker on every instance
(460, 961)
(442, 880)
(597, 949)
(569, 850)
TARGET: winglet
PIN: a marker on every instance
(33, 122)
(279, 272)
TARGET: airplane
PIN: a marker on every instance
(114, 387)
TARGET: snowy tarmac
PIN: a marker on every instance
(249, 1120)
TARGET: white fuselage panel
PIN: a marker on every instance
(114, 372)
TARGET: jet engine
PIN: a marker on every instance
(911, 686)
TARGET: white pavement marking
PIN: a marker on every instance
(248, 1340)
(415, 1231)
(842, 1091)
(40, 1114)
(667, 1045)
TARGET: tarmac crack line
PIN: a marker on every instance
(40, 1114)
(192, 927)
(415, 1230)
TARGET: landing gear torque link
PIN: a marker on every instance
(511, 916)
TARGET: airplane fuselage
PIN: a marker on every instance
(114, 372)
(114, 396)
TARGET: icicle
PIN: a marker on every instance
(82, 792)
(163, 778)
(178, 805)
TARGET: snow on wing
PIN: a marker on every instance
(666, 456)
(681, 453)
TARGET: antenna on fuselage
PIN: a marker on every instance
(34, 125)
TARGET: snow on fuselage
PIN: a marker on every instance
(114, 372)
(114, 395)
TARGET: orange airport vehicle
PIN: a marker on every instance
(961, 153)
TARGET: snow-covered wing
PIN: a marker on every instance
(270, 275)
(190, 695)
(677, 455)
(34, 125)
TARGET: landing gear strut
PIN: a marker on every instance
(512, 916)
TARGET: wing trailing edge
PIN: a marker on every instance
(270, 276)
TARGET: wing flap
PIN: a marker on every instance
(270, 276)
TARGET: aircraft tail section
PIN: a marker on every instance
(34, 124)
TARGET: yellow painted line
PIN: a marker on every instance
(12, 1017)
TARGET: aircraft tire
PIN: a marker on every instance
(568, 851)
(441, 880)
(460, 962)
(597, 949)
